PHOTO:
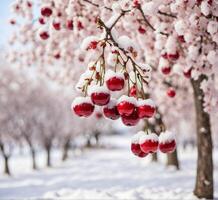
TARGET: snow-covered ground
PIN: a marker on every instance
(112, 173)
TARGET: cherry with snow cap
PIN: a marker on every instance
(99, 95)
(167, 142)
(126, 105)
(82, 106)
(149, 143)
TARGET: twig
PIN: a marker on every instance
(96, 5)
(167, 14)
(147, 22)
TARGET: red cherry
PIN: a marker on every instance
(69, 24)
(146, 108)
(110, 111)
(131, 120)
(41, 20)
(57, 55)
(210, 2)
(57, 25)
(80, 25)
(181, 38)
(59, 14)
(166, 70)
(188, 73)
(135, 146)
(167, 147)
(141, 30)
(100, 99)
(165, 55)
(46, 11)
(133, 91)
(149, 143)
(171, 92)
(126, 105)
(136, 150)
(93, 45)
(173, 56)
(167, 142)
(100, 95)
(115, 83)
(44, 35)
(136, 4)
(82, 106)
(29, 4)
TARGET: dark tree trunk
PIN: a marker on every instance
(172, 159)
(204, 178)
(48, 152)
(154, 157)
(88, 143)
(6, 159)
(6, 169)
(33, 155)
(66, 150)
(97, 134)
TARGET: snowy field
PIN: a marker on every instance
(112, 173)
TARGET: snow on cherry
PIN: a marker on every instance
(145, 143)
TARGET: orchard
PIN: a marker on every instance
(147, 65)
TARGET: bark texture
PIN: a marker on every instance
(204, 177)
(172, 159)
(66, 148)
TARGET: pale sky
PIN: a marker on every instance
(4, 16)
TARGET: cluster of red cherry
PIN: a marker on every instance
(166, 67)
(46, 12)
(144, 144)
(128, 108)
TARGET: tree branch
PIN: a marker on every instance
(147, 22)
(96, 5)
(167, 14)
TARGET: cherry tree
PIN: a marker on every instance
(175, 38)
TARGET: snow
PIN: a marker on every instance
(112, 103)
(205, 8)
(111, 173)
(137, 136)
(86, 42)
(80, 100)
(148, 102)
(125, 42)
(128, 99)
(98, 89)
(166, 136)
(110, 74)
(150, 137)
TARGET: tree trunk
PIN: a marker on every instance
(6, 159)
(48, 151)
(154, 157)
(6, 169)
(66, 150)
(204, 178)
(172, 159)
(88, 143)
(33, 155)
(96, 135)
